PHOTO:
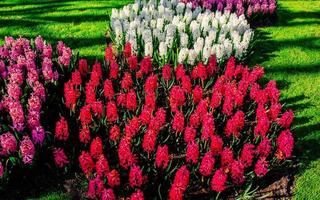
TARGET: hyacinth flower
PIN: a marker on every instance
(249, 8)
(29, 69)
(199, 125)
(173, 32)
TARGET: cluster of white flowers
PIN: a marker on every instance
(173, 31)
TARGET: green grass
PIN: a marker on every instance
(52, 196)
(289, 50)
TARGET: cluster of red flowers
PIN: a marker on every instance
(227, 125)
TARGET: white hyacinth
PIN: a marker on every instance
(148, 49)
(169, 26)
(163, 49)
(184, 40)
(183, 54)
(192, 56)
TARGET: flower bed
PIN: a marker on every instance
(169, 132)
(27, 71)
(172, 32)
(249, 8)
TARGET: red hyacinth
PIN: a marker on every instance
(273, 92)
(189, 134)
(85, 115)
(162, 157)
(208, 127)
(145, 115)
(126, 158)
(86, 163)
(71, 95)
(264, 147)
(96, 148)
(137, 195)
(62, 129)
(197, 94)
(228, 104)
(230, 68)
(127, 50)
(108, 194)
(180, 183)
(180, 72)
(114, 133)
(84, 135)
(111, 111)
(194, 120)
(113, 178)
(237, 172)
(97, 108)
(151, 84)
(121, 99)
(149, 141)
(133, 62)
(274, 111)
(286, 119)
(135, 176)
(114, 70)
(177, 97)
(150, 100)
(178, 122)
(192, 152)
(235, 124)
(261, 167)
(247, 154)
(226, 157)
(207, 164)
(131, 101)
(263, 122)
(166, 73)
(199, 71)
(108, 90)
(60, 158)
(216, 145)
(96, 74)
(215, 99)
(90, 92)
(212, 66)
(146, 65)
(285, 143)
(102, 166)
(218, 181)
(83, 67)
(186, 84)
(126, 81)
(76, 78)
(256, 73)
(108, 55)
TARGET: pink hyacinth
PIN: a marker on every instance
(1, 170)
(39, 43)
(8, 144)
(47, 69)
(38, 135)
(27, 150)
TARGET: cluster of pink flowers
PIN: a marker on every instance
(24, 94)
(144, 110)
(247, 7)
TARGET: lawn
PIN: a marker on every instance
(289, 50)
